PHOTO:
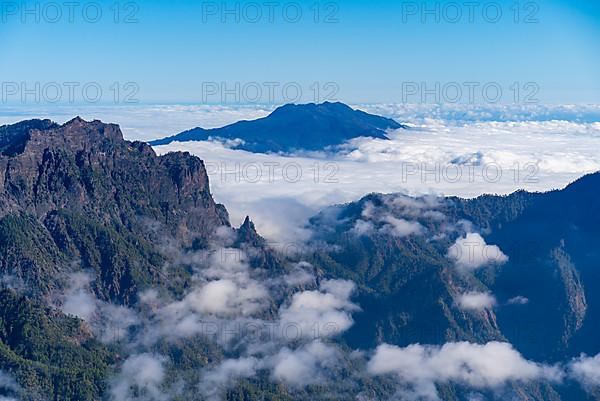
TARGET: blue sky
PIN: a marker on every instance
(369, 51)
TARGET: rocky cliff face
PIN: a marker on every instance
(80, 193)
(79, 198)
(14, 137)
(88, 166)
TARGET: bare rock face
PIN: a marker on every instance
(93, 197)
(574, 301)
(14, 137)
(89, 166)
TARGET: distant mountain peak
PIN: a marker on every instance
(314, 106)
(76, 121)
(79, 126)
(293, 127)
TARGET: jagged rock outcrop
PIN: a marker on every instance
(574, 302)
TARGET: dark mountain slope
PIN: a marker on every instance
(547, 306)
(79, 198)
(79, 192)
(47, 350)
(408, 287)
(554, 259)
(296, 127)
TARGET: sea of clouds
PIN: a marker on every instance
(461, 151)
(281, 191)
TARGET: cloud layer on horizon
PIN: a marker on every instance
(439, 158)
(538, 147)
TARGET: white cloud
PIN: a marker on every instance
(304, 366)
(108, 321)
(362, 227)
(490, 365)
(299, 275)
(225, 286)
(476, 301)
(319, 313)
(471, 252)
(461, 113)
(307, 364)
(287, 348)
(81, 304)
(224, 289)
(140, 378)
(13, 282)
(402, 228)
(218, 378)
(227, 297)
(397, 217)
(586, 370)
(9, 387)
(79, 301)
(518, 300)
